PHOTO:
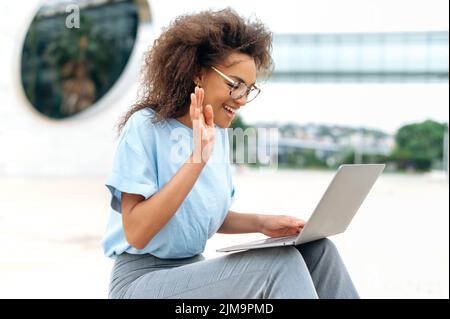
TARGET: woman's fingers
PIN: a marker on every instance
(198, 98)
(196, 104)
(204, 116)
(193, 106)
(209, 120)
(294, 221)
(209, 115)
(201, 95)
(301, 222)
(197, 116)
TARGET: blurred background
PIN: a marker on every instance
(354, 82)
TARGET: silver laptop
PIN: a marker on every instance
(335, 210)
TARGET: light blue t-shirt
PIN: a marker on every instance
(148, 155)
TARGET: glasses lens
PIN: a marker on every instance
(241, 90)
(252, 95)
(238, 91)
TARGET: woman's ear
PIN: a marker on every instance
(198, 79)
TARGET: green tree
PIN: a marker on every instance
(236, 123)
(419, 144)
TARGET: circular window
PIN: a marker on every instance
(75, 51)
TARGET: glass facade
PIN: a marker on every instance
(361, 57)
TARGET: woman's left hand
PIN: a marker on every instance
(281, 225)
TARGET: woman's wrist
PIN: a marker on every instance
(259, 222)
(196, 159)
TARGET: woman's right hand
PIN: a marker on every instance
(203, 127)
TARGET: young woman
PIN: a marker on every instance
(197, 75)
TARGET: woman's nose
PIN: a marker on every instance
(242, 100)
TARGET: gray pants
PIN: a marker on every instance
(312, 270)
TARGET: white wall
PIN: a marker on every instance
(33, 145)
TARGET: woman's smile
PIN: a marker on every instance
(229, 111)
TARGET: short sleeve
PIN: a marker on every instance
(134, 168)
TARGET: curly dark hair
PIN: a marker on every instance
(190, 42)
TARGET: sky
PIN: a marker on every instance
(386, 107)
(380, 106)
(324, 15)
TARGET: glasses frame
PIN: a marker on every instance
(236, 83)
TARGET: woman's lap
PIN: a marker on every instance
(237, 275)
(278, 272)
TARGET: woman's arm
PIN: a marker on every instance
(237, 223)
(143, 219)
(270, 225)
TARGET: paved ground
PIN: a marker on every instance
(396, 247)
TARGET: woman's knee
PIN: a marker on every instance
(325, 243)
(327, 246)
(322, 247)
(289, 257)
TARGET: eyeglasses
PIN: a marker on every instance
(239, 89)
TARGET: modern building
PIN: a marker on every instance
(71, 68)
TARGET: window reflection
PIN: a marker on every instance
(65, 70)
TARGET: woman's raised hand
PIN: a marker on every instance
(203, 127)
